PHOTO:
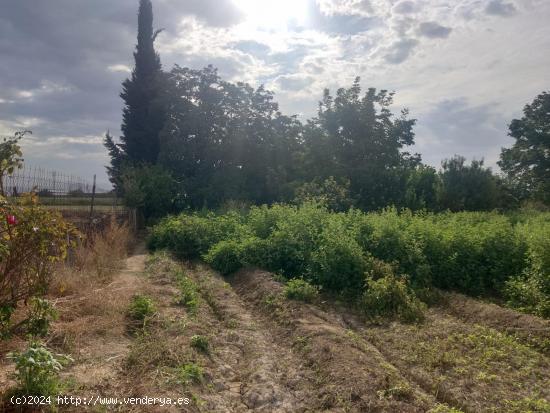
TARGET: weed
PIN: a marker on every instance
(443, 408)
(528, 405)
(301, 290)
(200, 343)
(191, 373)
(399, 392)
(188, 295)
(141, 310)
(40, 314)
(391, 297)
(37, 369)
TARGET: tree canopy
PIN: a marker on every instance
(214, 141)
(527, 162)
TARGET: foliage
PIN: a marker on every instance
(40, 315)
(301, 290)
(32, 240)
(467, 187)
(227, 141)
(477, 253)
(188, 294)
(191, 373)
(527, 162)
(144, 111)
(141, 310)
(225, 256)
(150, 189)
(358, 138)
(421, 188)
(200, 343)
(191, 235)
(330, 193)
(390, 296)
(37, 369)
(10, 157)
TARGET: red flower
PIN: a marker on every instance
(12, 220)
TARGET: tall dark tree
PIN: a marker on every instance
(527, 162)
(227, 141)
(143, 114)
(357, 138)
(467, 187)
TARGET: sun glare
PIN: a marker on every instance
(273, 13)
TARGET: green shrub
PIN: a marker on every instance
(37, 369)
(191, 373)
(338, 263)
(141, 310)
(391, 297)
(200, 343)
(40, 314)
(387, 236)
(472, 252)
(190, 236)
(301, 290)
(225, 256)
(33, 240)
(529, 293)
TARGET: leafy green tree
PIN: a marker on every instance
(467, 187)
(527, 162)
(151, 189)
(330, 193)
(227, 141)
(10, 156)
(144, 112)
(358, 138)
(421, 188)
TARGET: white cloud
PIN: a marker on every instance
(119, 68)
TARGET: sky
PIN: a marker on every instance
(463, 68)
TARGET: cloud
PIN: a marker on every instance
(294, 82)
(500, 8)
(455, 126)
(405, 7)
(119, 68)
(434, 30)
(400, 50)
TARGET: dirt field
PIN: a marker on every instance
(257, 351)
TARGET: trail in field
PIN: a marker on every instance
(270, 354)
(92, 328)
(251, 371)
(352, 375)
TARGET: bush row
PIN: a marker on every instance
(474, 253)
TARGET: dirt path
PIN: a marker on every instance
(253, 372)
(92, 328)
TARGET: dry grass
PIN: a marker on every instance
(90, 304)
(93, 262)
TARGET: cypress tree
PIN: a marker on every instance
(143, 113)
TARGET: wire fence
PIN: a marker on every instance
(48, 183)
(79, 200)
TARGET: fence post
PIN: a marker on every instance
(93, 199)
